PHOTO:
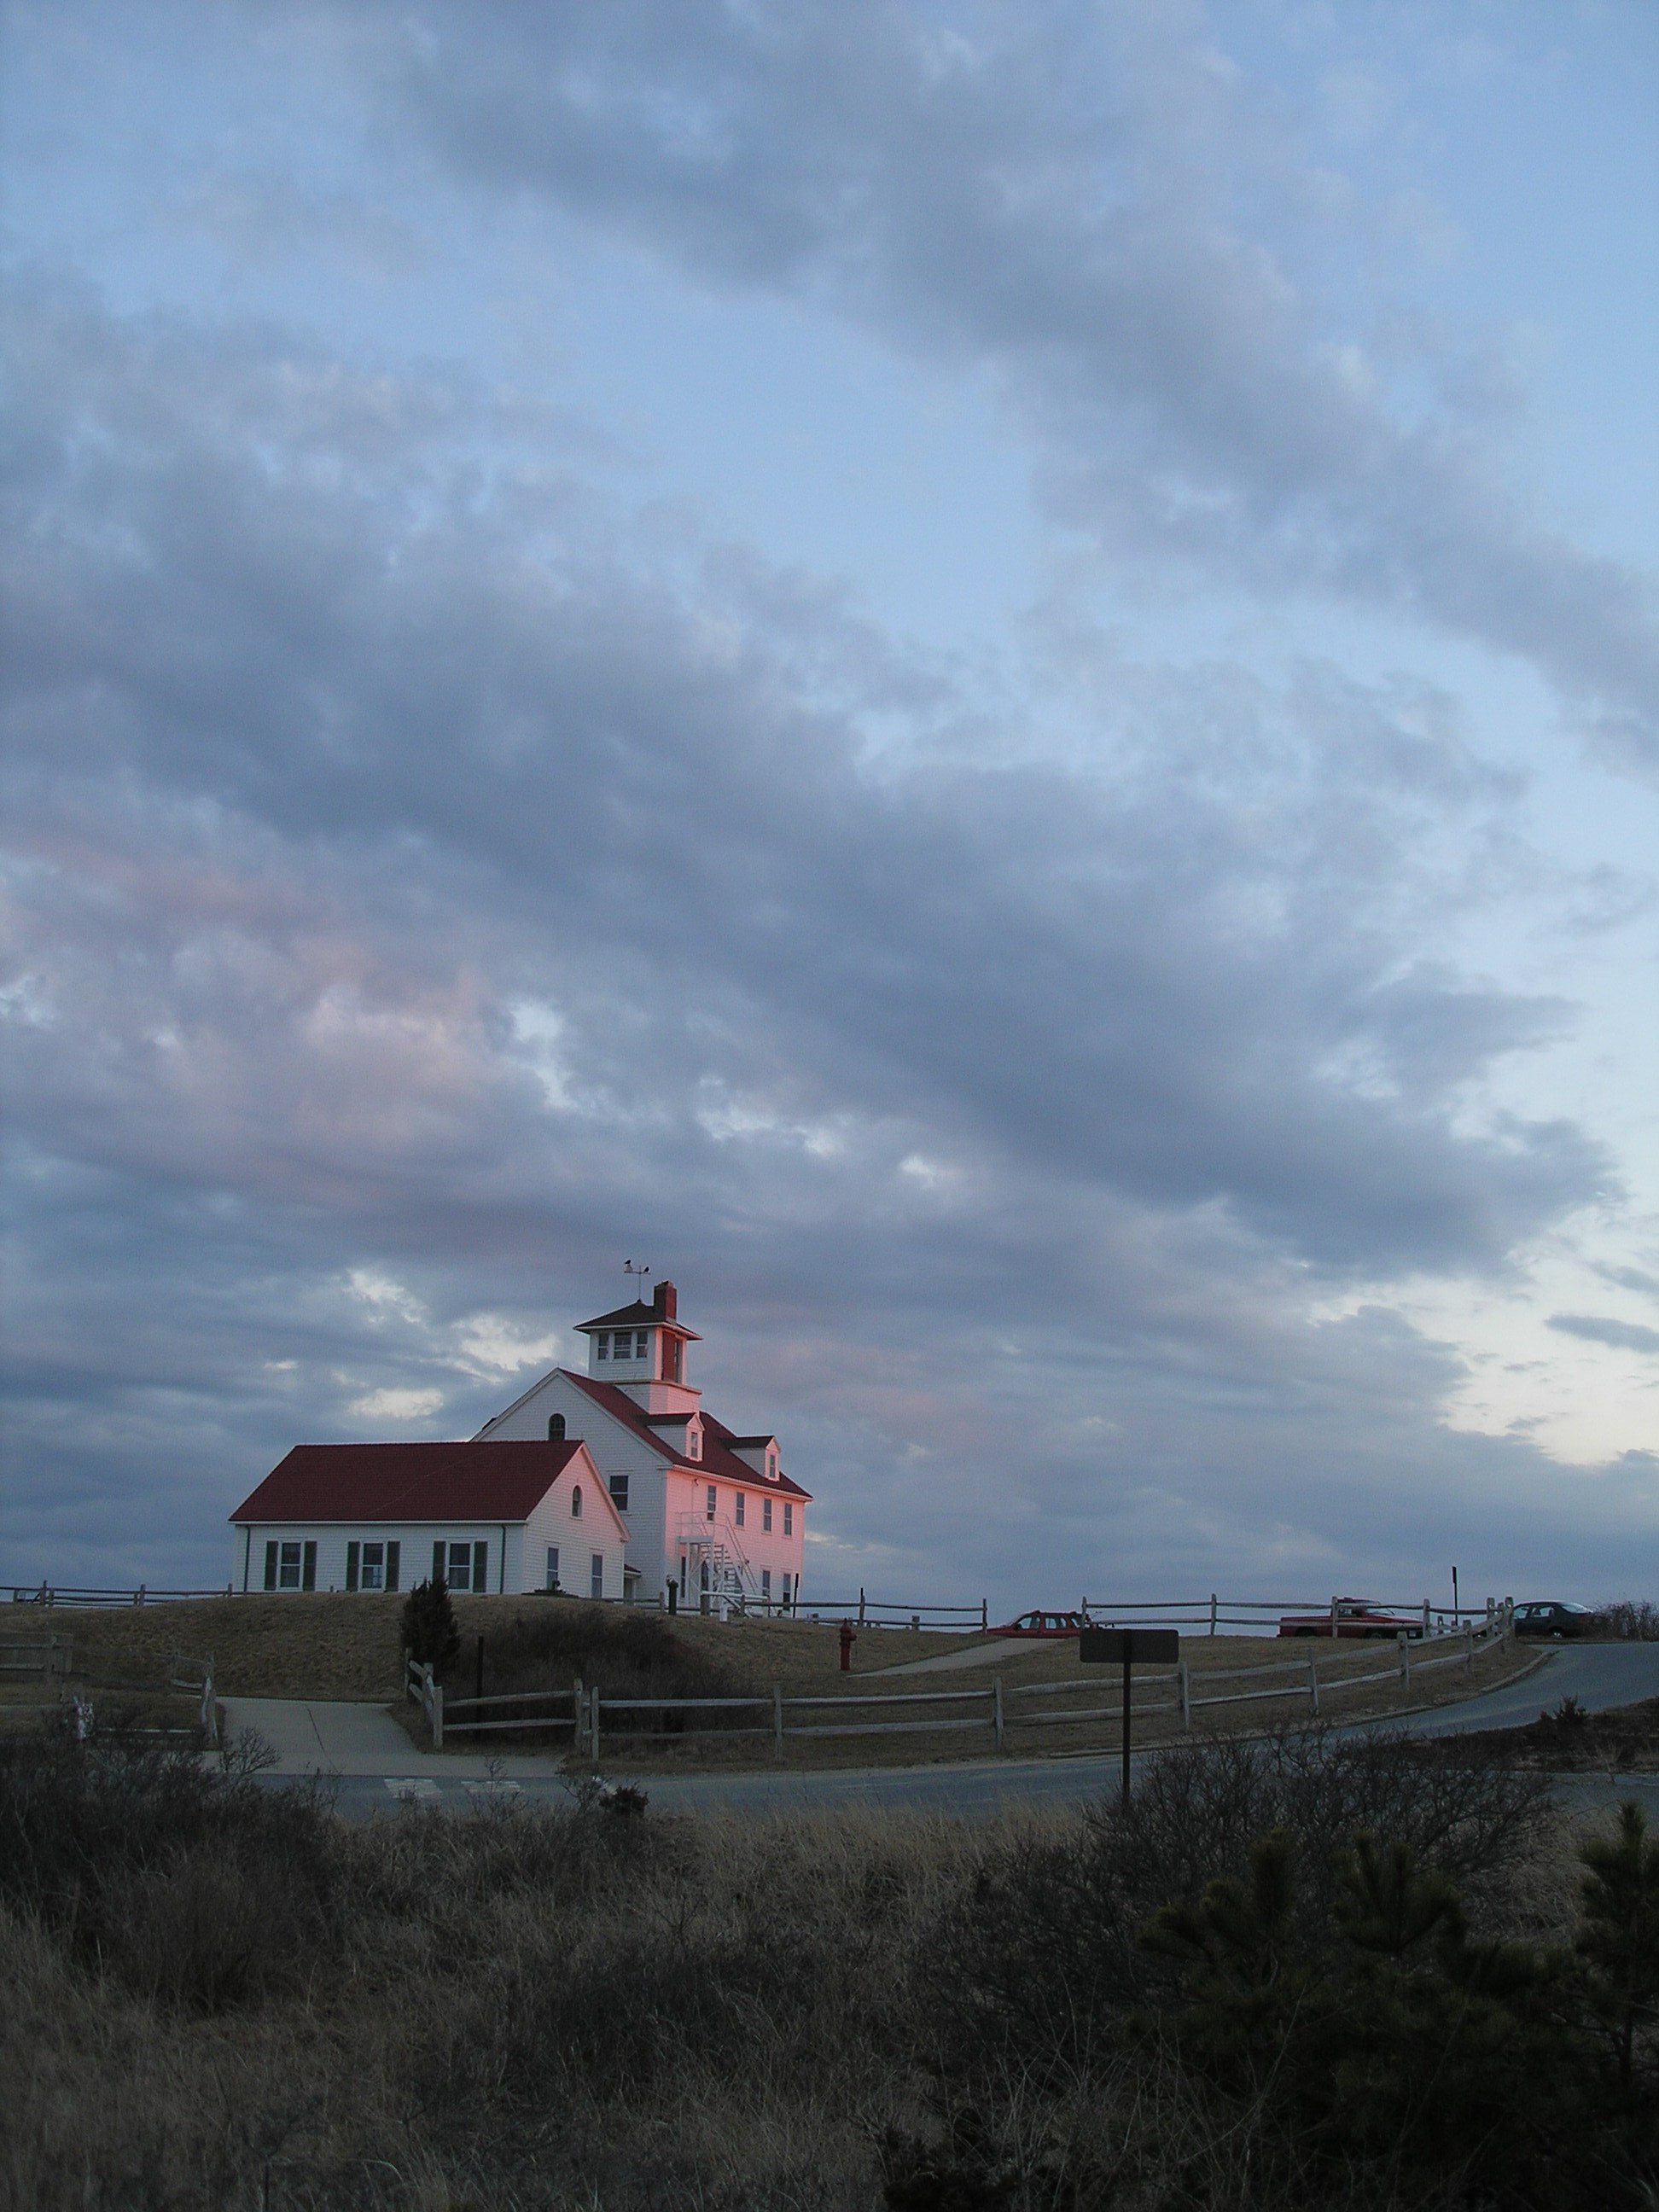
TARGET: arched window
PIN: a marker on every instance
(576, 1502)
(556, 1428)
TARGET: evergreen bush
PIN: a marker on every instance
(428, 1626)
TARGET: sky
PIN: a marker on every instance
(983, 680)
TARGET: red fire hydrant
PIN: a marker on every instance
(848, 1640)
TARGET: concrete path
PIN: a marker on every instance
(370, 1764)
(980, 1656)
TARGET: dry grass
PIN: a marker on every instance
(335, 1646)
(221, 1998)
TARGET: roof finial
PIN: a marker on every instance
(628, 1268)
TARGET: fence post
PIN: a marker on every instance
(1183, 1683)
(1212, 1613)
(1313, 1680)
(861, 1606)
(1332, 1621)
(1468, 1643)
(777, 1722)
(593, 1732)
(437, 1716)
(996, 1709)
(138, 1594)
(1426, 1617)
(577, 1717)
(984, 1614)
(1405, 1644)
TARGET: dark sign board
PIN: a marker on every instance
(1126, 1647)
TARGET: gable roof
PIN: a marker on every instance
(471, 1481)
(718, 1459)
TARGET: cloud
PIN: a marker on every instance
(427, 895)
(398, 1406)
(480, 781)
(1600, 1328)
(1098, 210)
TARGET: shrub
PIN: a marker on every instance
(428, 1626)
(1635, 1620)
(189, 1883)
(630, 1654)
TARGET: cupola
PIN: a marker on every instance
(641, 1349)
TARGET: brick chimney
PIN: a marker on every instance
(665, 1301)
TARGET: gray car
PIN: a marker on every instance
(1555, 1617)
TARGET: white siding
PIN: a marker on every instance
(516, 1565)
(658, 1493)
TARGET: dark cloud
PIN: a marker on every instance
(1602, 1328)
(428, 881)
(1094, 206)
(422, 896)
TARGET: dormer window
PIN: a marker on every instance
(693, 1443)
(771, 1466)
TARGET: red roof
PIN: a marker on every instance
(718, 1458)
(409, 1482)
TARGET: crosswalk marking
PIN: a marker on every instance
(411, 1785)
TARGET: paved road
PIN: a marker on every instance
(371, 1763)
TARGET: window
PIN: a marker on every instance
(788, 1518)
(460, 1566)
(374, 1567)
(619, 1492)
(766, 1514)
(556, 1428)
(737, 1510)
(290, 1566)
(552, 1566)
(771, 1466)
(713, 1498)
(596, 1576)
(785, 1590)
(602, 1344)
(576, 1502)
(693, 1441)
(766, 1584)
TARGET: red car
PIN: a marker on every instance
(1354, 1617)
(1043, 1624)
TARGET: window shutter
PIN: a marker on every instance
(352, 1551)
(393, 1554)
(309, 1572)
(481, 1566)
(438, 1574)
(270, 1566)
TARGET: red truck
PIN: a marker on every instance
(1353, 1616)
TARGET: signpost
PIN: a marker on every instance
(1111, 1647)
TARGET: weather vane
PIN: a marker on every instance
(628, 1268)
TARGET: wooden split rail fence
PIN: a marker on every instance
(588, 1717)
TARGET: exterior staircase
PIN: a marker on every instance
(712, 1565)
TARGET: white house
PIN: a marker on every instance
(707, 1511)
(384, 1517)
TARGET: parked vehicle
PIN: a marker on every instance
(1043, 1624)
(1554, 1617)
(1355, 1616)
